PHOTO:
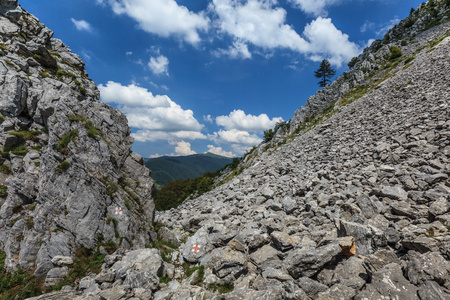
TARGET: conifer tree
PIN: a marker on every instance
(324, 73)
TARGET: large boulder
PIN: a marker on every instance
(307, 261)
(389, 282)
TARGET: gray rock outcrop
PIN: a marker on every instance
(72, 180)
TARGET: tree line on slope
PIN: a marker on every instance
(176, 191)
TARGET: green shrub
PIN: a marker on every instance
(9, 63)
(395, 52)
(3, 191)
(77, 118)
(19, 150)
(268, 135)
(63, 166)
(29, 223)
(18, 284)
(62, 146)
(2, 119)
(409, 59)
(164, 279)
(44, 74)
(26, 135)
(352, 62)
(91, 130)
(111, 187)
(221, 288)
(5, 169)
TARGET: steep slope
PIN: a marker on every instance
(351, 204)
(373, 172)
(66, 158)
(169, 168)
(376, 171)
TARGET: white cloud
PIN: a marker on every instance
(157, 117)
(82, 25)
(184, 148)
(235, 136)
(257, 22)
(219, 151)
(154, 135)
(159, 65)
(314, 7)
(208, 119)
(85, 55)
(241, 149)
(388, 25)
(237, 119)
(129, 53)
(367, 26)
(369, 42)
(164, 18)
(131, 96)
(238, 50)
(326, 41)
(260, 23)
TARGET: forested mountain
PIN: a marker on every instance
(166, 168)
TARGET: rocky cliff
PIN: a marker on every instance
(68, 177)
(353, 203)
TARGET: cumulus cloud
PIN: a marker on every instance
(159, 65)
(154, 135)
(313, 7)
(328, 42)
(219, 151)
(157, 117)
(237, 119)
(164, 18)
(257, 22)
(235, 136)
(184, 148)
(239, 49)
(131, 96)
(261, 23)
(81, 25)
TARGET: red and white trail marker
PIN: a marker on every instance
(195, 249)
(118, 211)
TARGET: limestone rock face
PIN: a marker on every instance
(354, 206)
(72, 180)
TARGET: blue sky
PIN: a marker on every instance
(212, 75)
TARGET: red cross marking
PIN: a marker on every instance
(196, 248)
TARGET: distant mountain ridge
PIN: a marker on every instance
(168, 168)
